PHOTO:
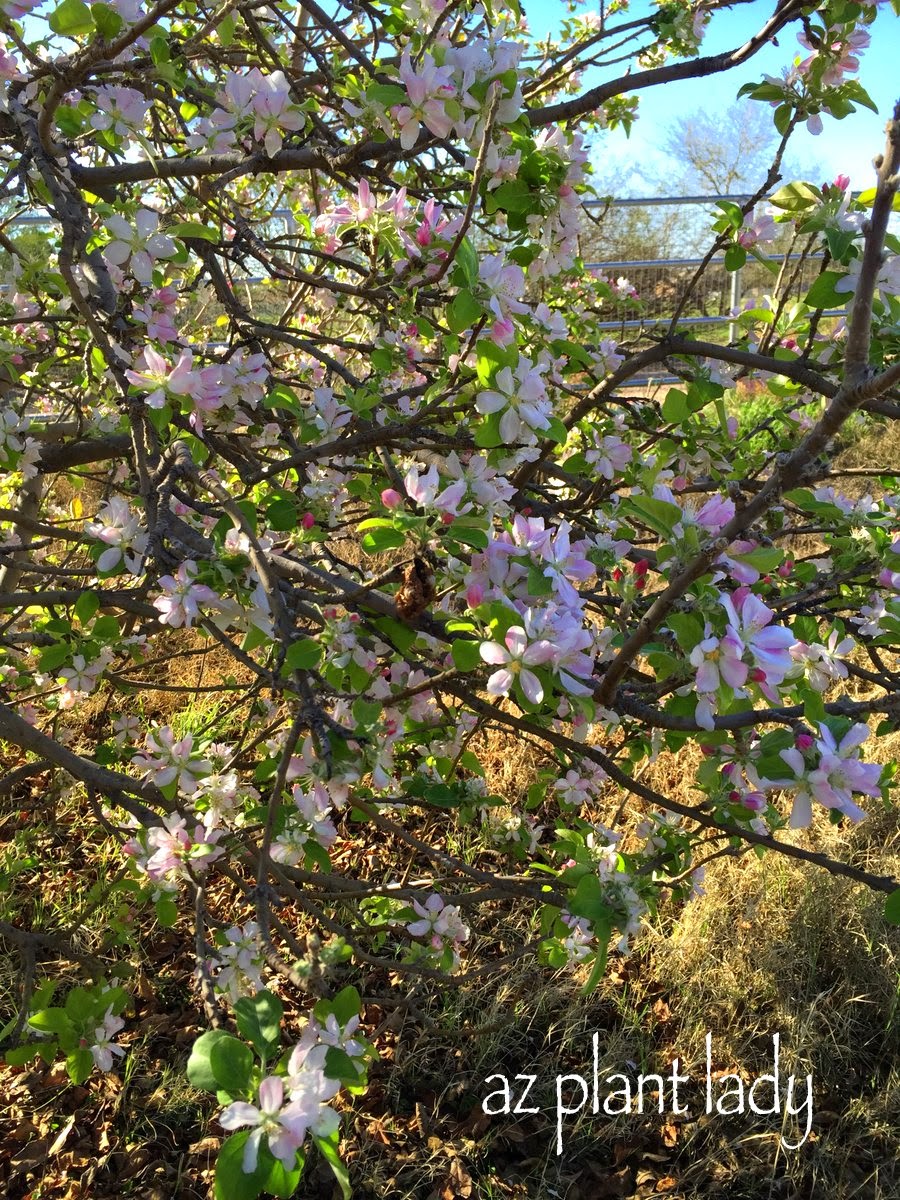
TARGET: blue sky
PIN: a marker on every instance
(846, 146)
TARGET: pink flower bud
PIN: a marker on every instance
(755, 801)
(447, 518)
(842, 182)
(308, 520)
(502, 332)
(758, 675)
(804, 742)
(391, 498)
(785, 569)
(474, 595)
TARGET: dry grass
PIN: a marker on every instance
(772, 946)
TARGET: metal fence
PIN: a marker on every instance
(715, 298)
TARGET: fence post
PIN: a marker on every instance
(735, 302)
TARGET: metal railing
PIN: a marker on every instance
(716, 298)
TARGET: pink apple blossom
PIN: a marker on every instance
(137, 245)
(514, 657)
(182, 598)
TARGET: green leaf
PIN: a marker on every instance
(375, 523)
(259, 1020)
(279, 1180)
(514, 196)
(763, 559)
(79, 1065)
(688, 629)
(463, 312)
(281, 396)
(80, 1004)
(339, 1065)
(51, 1020)
(467, 260)
(572, 350)
(303, 654)
(225, 29)
(658, 515)
(377, 541)
(588, 900)
(556, 431)
(386, 94)
(892, 908)
(675, 407)
(839, 242)
(159, 50)
(782, 118)
(281, 514)
(329, 1149)
(469, 535)
(231, 1062)
(232, 1182)
(106, 629)
(107, 21)
(193, 229)
(70, 122)
(853, 89)
(86, 606)
(796, 197)
(166, 912)
(735, 257)
(18, 1056)
(822, 293)
(346, 1005)
(487, 434)
(396, 633)
(199, 1066)
(54, 656)
(603, 932)
(465, 654)
(71, 19)
(367, 713)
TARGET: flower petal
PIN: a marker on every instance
(531, 686)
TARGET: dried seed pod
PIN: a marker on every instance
(416, 591)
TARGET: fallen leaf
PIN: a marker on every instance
(661, 1011)
(61, 1137)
